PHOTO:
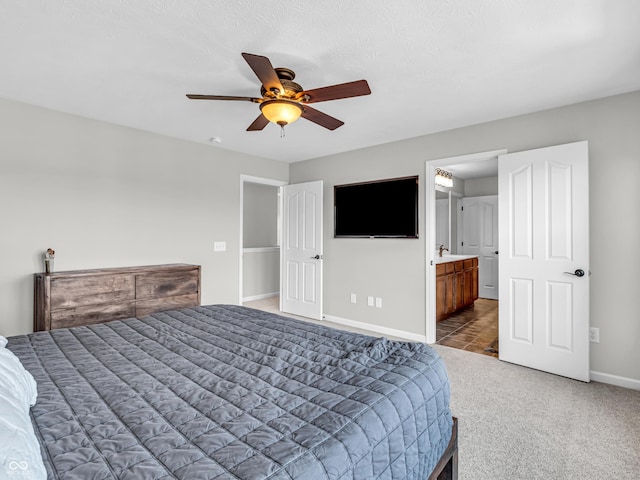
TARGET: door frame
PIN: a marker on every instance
(263, 181)
(430, 222)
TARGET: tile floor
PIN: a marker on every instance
(474, 328)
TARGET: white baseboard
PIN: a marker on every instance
(260, 297)
(615, 380)
(414, 337)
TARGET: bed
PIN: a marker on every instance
(224, 391)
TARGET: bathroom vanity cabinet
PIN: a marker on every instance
(456, 284)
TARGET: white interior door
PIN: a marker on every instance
(301, 292)
(480, 237)
(544, 264)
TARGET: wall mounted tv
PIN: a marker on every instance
(379, 209)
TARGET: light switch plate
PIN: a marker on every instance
(219, 246)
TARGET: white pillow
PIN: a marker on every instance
(19, 448)
(15, 380)
(3, 341)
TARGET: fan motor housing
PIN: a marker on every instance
(291, 88)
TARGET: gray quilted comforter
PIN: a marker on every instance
(229, 392)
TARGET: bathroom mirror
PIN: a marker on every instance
(446, 220)
(443, 233)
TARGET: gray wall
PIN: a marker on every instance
(480, 187)
(108, 196)
(260, 273)
(260, 266)
(394, 269)
(103, 195)
(260, 217)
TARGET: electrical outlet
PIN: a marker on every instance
(594, 335)
(353, 298)
(370, 301)
(378, 302)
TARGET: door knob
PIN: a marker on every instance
(317, 257)
(578, 273)
(496, 252)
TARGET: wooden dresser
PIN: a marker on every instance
(84, 297)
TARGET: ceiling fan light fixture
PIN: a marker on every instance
(281, 112)
(283, 101)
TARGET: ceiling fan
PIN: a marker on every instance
(283, 101)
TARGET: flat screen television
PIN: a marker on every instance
(379, 209)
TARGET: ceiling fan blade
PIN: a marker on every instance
(265, 72)
(335, 92)
(221, 97)
(258, 124)
(322, 119)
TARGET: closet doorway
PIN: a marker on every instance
(260, 230)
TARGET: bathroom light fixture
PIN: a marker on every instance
(444, 178)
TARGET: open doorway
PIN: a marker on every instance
(260, 232)
(543, 229)
(287, 273)
(463, 223)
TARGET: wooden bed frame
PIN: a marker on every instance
(447, 467)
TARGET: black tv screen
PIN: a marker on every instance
(383, 209)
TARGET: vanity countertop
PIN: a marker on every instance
(452, 258)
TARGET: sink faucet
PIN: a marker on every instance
(442, 248)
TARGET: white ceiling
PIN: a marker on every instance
(432, 65)
(476, 169)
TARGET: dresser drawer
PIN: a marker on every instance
(90, 314)
(153, 305)
(81, 291)
(166, 284)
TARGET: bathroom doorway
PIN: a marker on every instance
(475, 178)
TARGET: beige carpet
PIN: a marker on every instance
(518, 423)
